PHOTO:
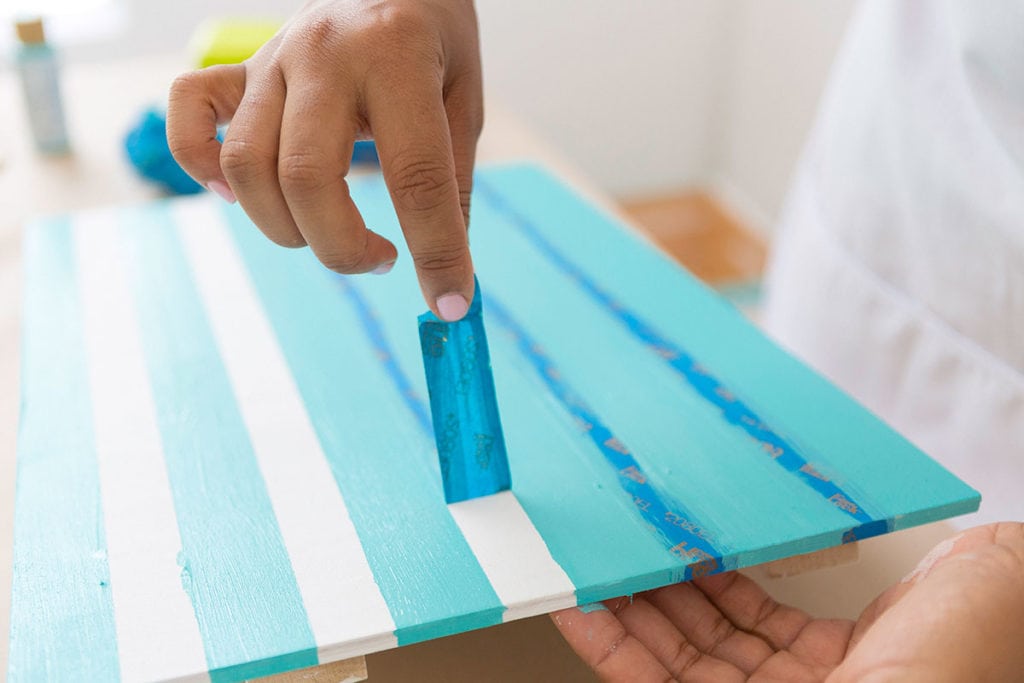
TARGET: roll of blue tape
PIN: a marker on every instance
(463, 405)
(148, 151)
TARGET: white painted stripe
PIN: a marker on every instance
(513, 555)
(150, 605)
(346, 610)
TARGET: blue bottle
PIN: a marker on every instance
(38, 68)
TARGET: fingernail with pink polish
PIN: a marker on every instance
(383, 268)
(222, 189)
(452, 307)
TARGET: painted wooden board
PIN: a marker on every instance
(226, 467)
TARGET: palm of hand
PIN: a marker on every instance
(958, 617)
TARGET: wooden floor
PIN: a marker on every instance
(696, 230)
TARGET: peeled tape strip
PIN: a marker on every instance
(463, 405)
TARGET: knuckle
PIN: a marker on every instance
(302, 172)
(241, 160)
(291, 239)
(614, 636)
(685, 658)
(421, 184)
(185, 85)
(399, 36)
(322, 29)
(720, 631)
(310, 42)
(765, 611)
(440, 259)
(341, 261)
(399, 21)
(184, 150)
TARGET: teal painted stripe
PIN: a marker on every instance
(684, 536)
(62, 616)
(234, 564)
(760, 522)
(389, 477)
(670, 523)
(849, 443)
(733, 408)
(605, 546)
(677, 436)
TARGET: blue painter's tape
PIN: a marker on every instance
(683, 535)
(431, 580)
(734, 410)
(231, 543)
(467, 428)
(875, 528)
(375, 333)
(62, 614)
(678, 530)
(583, 550)
(147, 149)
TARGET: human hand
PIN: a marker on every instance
(405, 73)
(958, 617)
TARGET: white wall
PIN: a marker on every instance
(648, 96)
(644, 96)
(625, 90)
(778, 63)
(121, 29)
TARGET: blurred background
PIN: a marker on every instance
(688, 114)
(644, 97)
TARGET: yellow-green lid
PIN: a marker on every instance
(230, 41)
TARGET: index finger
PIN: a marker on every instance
(410, 127)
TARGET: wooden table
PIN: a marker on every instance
(102, 101)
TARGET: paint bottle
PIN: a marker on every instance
(38, 69)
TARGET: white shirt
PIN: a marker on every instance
(899, 268)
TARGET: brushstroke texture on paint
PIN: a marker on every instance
(233, 561)
(62, 616)
(732, 407)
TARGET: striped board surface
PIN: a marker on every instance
(226, 464)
